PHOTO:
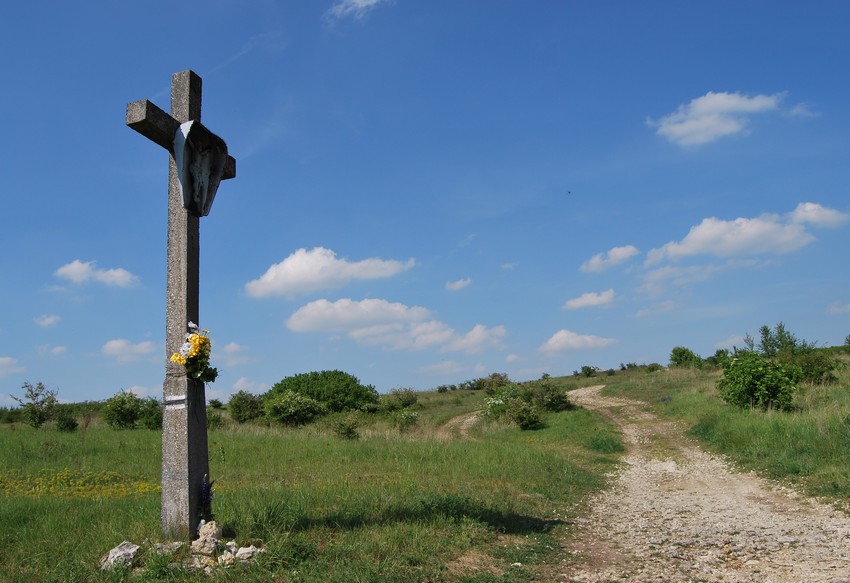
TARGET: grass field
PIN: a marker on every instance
(389, 506)
(484, 504)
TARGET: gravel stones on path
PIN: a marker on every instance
(677, 513)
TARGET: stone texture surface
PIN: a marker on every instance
(677, 513)
(120, 557)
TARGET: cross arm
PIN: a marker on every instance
(153, 123)
(159, 127)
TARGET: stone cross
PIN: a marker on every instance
(203, 162)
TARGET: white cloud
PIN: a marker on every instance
(767, 234)
(602, 261)
(459, 284)
(564, 340)
(393, 326)
(249, 386)
(319, 269)
(9, 366)
(713, 116)
(817, 215)
(346, 314)
(141, 391)
(46, 321)
(838, 309)
(477, 340)
(512, 358)
(590, 300)
(82, 271)
(356, 9)
(233, 354)
(125, 351)
(47, 349)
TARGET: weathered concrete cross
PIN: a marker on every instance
(203, 163)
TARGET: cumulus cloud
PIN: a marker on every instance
(46, 321)
(249, 386)
(767, 234)
(713, 116)
(615, 256)
(459, 284)
(731, 342)
(590, 300)
(817, 215)
(667, 306)
(124, 351)
(512, 358)
(319, 269)
(477, 340)
(9, 366)
(49, 350)
(564, 340)
(838, 308)
(233, 354)
(393, 326)
(83, 271)
(356, 9)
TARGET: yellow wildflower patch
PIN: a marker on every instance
(70, 484)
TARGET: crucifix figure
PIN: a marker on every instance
(198, 161)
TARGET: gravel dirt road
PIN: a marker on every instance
(676, 513)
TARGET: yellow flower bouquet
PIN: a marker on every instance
(194, 354)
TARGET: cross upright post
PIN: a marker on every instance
(185, 457)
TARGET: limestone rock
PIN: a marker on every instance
(226, 559)
(248, 553)
(210, 529)
(121, 556)
(206, 546)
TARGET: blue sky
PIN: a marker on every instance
(426, 192)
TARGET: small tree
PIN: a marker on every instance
(336, 390)
(244, 407)
(685, 357)
(37, 403)
(122, 410)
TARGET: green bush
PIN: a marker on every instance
(216, 404)
(525, 415)
(552, 399)
(122, 410)
(65, 422)
(150, 414)
(244, 407)
(685, 357)
(293, 409)
(346, 427)
(335, 390)
(405, 397)
(405, 420)
(37, 404)
(588, 371)
(752, 380)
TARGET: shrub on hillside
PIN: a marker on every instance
(752, 380)
(37, 404)
(525, 415)
(150, 414)
(293, 409)
(552, 399)
(65, 422)
(685, 357)
(122, 410)
(244, 407)
(334, 389)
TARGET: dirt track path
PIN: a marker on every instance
(676, 513)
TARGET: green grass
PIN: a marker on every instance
(807, 446)
(385, 507)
